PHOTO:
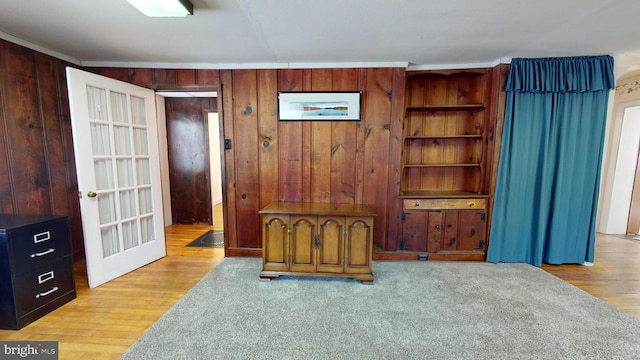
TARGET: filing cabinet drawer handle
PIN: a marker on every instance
(49, 292)
(42, 253)
(44, 236)
(45, 277)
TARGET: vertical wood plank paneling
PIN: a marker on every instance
(188, 161)
(207, 77)
(185, 77)
(361, 131)
(268, 136)
(229, 189)
(376, 157)
(320, 166)
(164, 78)
(6, 185)
(290, 143)
(343, 144)
(340, 162)
(394, 205)
(306, 142)
(121, 74)
(25, 136)
(245, 114)
(53, 146)
(141, 77)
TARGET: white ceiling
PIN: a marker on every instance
(329, 33)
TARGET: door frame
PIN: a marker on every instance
(179, 90)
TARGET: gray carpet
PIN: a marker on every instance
(414, 310)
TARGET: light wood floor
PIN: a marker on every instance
(103, 322)
(614, 277)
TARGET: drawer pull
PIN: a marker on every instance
(417, 204)
(49, 292)
(42, 253)
(45, 277)
(38, 238)
(472, 204)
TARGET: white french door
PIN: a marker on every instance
(116, 150)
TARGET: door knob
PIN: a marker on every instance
(92, 194)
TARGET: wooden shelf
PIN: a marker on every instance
(465, 107)
(426, 137)
(436, 194)
(442, 165)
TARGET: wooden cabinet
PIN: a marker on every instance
(445, 231)
(446, 163)
(313, 239)
(36, 267)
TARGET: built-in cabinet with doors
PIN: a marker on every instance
(447, 167)
(317, 239)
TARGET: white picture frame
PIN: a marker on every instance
(319, 106)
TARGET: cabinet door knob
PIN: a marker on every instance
(316, 241)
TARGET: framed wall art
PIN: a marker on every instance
(315, 105)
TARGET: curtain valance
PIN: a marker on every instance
(569, 74)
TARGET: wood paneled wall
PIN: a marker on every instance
(37, 166)
(336, 161)
(350, 162)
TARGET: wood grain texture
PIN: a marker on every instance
(245, 118)
(394, 206)
(290, 143)
(268, 138)
(341, 162)
(187, 138)
(229, 179)
(24, 133)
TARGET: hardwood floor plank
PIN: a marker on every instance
(102, 323)
(614, 277)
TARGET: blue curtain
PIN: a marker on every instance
(549, 170)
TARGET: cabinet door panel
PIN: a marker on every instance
(303, 231)
(358, 245)
(450, 237)
(472, 230)
(331, 244)
(413, 231)
(434, 231)
(275, 251)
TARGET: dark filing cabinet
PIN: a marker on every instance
(36, 267)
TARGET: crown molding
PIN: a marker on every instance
(39, 48)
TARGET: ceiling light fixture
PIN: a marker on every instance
(163, 8)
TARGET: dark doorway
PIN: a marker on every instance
(189, 163)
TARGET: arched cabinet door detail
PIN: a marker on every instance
(317, 239)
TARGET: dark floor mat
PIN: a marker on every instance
(210, 239)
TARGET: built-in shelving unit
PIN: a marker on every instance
(445, 133)
(448, 136)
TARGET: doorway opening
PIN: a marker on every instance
(628, 157)
(194, 158)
